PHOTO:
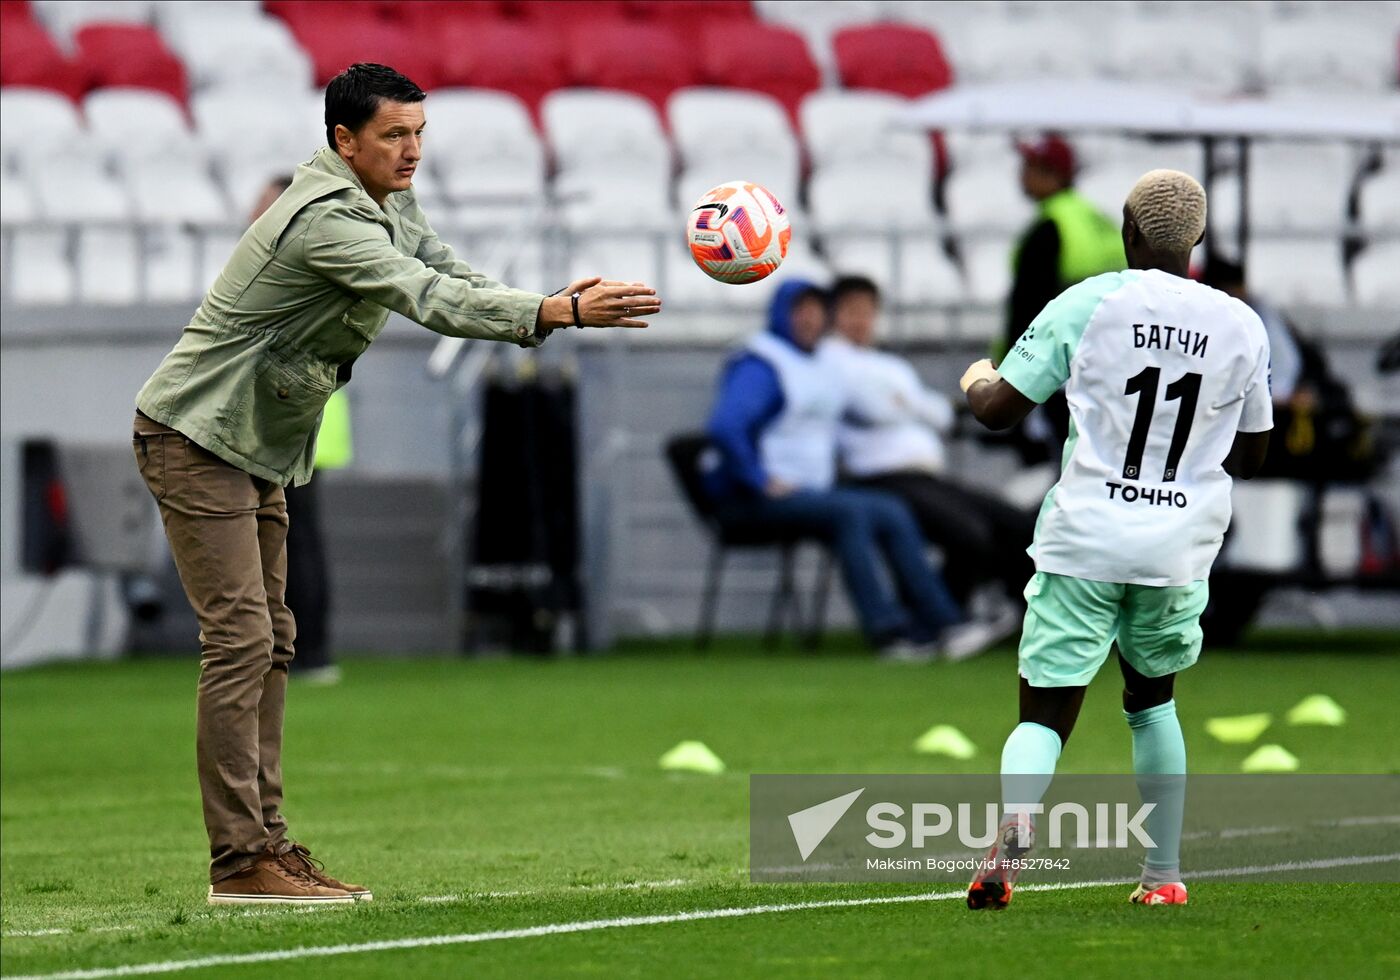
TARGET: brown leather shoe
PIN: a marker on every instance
(270, 881)
(298, 858)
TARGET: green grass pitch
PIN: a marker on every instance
(518, 794)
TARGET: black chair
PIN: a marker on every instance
(685, 455)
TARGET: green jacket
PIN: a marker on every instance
(1090, 244)
(308, 288)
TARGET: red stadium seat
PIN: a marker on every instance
(430, 17)
(895, 58)
(762, 58)
(130, 55)
(692, 16)
(321, 11)
(564, 14)
(649, 60)
(28, 56)
(15, 11)
(508, 56)
(335, 45)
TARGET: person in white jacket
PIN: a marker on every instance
(891, 439)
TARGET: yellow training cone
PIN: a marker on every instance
(945, 740)
(1317, 709)
(693, 756)
(1240, 729)
(1270, 758)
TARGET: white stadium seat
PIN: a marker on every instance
(481, 144)
(1380, 200)
(38, 270)
(987, 265)
(17, 204)
(1306, 270)
(1208, 48)
(1293, 187)
(253, 136)
(722, 135)
(870, 197)
(1327, 52)
(987, 197)
(614, 169)
(165, 133)
(78, 189)
(855, 208)
(841, 127)
(915, 271)
(686, 287)
(37, 124)
(176, 192)
(66, 17)
(108, 266)
(1374, 279)
(228, 47)
(606, 202)
(1032, 47)
(593, 131)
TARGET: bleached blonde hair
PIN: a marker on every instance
(1169, 208)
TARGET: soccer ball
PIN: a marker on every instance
(738, 232)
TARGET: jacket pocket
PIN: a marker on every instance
(287, 399)
(366, 319)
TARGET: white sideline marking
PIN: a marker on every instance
(626, 886)
(594, 925)
(426, 899)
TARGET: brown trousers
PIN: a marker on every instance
(228, 533)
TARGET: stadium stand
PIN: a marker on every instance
(719, 133)
(895, 58)
(648, 59)
(130, 55)
(1373, 275)
(612, 110)
(510, 57)
(1297, 270)
(1379, 200)
(761, 58)
(29, 56)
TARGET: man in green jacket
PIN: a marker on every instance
(1070, 240)
(230, 417)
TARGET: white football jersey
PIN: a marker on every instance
(1160, 373)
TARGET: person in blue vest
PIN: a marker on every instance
(775, 422)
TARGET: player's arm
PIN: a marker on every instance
(601, 302)
(1247, 454)
(1251, 444)
(1038, 364)
(994, 402)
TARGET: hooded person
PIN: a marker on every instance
(774, 423)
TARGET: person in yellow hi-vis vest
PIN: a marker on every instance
(1070, 240)
(308, 572)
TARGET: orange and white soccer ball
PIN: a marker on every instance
(738, 232)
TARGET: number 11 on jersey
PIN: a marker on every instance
(1144, 384)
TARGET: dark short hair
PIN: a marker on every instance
(353, 96)
(853, 286)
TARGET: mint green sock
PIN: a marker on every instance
(1159, 760)
(1028, 763)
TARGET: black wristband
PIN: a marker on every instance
(574, 299)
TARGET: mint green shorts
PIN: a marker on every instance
(1071, 624)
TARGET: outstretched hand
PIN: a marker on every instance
(610, 303)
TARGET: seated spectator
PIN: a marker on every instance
(774, 423)
(891, 439)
